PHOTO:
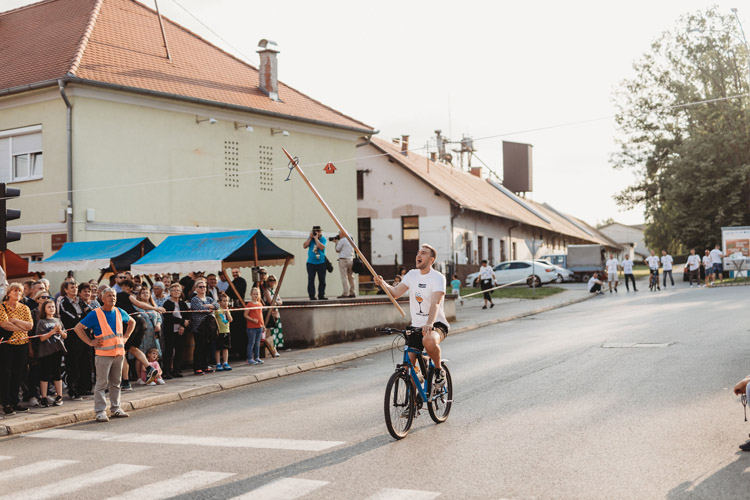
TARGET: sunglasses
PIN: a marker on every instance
(201, 286)
(46, 297)
(272, 281)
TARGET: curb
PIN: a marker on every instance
(78, 416)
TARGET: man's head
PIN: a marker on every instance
(611, 256)
(71, 288)
(159, 288)
(167, 280)
(625, 257)
(127, 285)
(664, 252)
(596, 274)
(484, 262)
(235, 272)
(108, 298)
(120, 278)
(717, 247)
(652, 253)
(27, 287)
(37, 287)
(211, 280)
(692, 251)
(425, 257)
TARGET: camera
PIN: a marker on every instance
(335, 238)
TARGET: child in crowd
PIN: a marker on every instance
(255, 327)
(456, 288)
(51, 349)
(223, 318)
(152, 355)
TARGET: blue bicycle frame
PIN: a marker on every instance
(422, 391)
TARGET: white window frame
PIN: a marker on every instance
(9, 160)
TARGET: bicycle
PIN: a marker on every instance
(405, 394)
(653, 281)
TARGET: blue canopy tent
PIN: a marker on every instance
(107, 256)
(209, 252)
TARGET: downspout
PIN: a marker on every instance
(69, 137)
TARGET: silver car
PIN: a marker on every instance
(518, 271)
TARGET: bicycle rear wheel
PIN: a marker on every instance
(441, 399)
(399, 405)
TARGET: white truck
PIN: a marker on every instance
(584, 260)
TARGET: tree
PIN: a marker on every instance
(684, 123)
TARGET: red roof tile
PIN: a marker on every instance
(119, 42)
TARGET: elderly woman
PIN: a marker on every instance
(201, 302)
(15, 322)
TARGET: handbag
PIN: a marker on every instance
(358, 267)
(329, 266)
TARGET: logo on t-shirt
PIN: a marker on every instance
(423, 285)
(419, 299)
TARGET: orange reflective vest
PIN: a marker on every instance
(113, 344)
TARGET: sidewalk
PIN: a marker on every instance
(470, 316)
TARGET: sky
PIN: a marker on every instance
(539, 72)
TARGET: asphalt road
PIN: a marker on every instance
(626, 396)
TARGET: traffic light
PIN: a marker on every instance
(6, 215)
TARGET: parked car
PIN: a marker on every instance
(562, 273)
(518, 270)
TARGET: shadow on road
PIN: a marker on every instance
(334, 457)
(717, 484)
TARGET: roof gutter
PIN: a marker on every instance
(69, 143)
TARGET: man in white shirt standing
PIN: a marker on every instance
(666, 264)
(612, 269)
(716, 256)
(426, 288)
(653, 266)
(694, 268)
(346, 263)
(627, 269)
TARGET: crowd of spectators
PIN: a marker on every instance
(42, 356)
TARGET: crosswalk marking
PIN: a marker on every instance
(284, 489)
(184, 483)
(175, 439)
(396, 494)
(34, 469)
(76, 483)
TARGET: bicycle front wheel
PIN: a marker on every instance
(441, 398)
(399, 405)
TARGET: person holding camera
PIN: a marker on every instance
(346, 263)
(316, 263)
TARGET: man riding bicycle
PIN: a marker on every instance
(426, 288)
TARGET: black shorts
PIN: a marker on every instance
(415, 339)
(223, 341)
(136, 337)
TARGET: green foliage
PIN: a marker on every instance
(692, 159)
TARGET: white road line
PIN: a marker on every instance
(396, 494)
(35, 469)
(75, 483)
(284, 489)
(184, 483)
(175, 439)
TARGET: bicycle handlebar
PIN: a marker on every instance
(406, 331)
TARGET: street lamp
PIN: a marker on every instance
(742, 30)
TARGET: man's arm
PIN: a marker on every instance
(145, 305)
(397, 291)
(81, 332)
(130, 327)
(437, 297)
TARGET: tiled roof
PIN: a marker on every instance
(474, 193)
(119, 42)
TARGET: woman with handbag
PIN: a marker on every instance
(15, 323)
(201, 302)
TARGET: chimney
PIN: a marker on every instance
(269, 67)
(404, 144)
(476, 171)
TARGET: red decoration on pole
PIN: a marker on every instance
(330, 168)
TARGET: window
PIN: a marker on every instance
(503, 267)
(409, 239)
(360, 184)
(480, 249)
(21, 154)
(519, 265)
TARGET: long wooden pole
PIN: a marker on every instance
(345, 233)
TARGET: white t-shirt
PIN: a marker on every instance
(421, 287)
(694, 262)
(707, 261)
(485, 273)
(666, 262)
(715, 256)
(652, 261)
(627, 266)
(344, 248)
(612, 266)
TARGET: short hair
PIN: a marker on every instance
(84, 286)
(484, 261)
(212, 274)
(158, 284)
(223, 296)
(432, 250)
(28, 283)
(68, 284)
(106, 289)
(17, 286)
(128, 283)
(45, 281)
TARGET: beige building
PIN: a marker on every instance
(405, 199)
(109, 134)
